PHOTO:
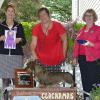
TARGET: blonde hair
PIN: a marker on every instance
(91, 11)
(10, 5)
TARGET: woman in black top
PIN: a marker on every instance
(10, 58)
(20, 38)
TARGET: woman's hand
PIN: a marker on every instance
(89, 44)
(18, 40)
(2, 38)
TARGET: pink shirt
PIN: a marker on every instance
(93, 35)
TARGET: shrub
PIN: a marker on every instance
(28, 29)
(95, 93)
(78, 26)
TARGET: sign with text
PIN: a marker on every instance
(47, 93)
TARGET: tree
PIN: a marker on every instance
(26, 10)
(60, 9)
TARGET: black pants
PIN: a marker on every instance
(90, 72)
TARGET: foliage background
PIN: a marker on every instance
(60, 9)
(26, 10)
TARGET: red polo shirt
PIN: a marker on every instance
(49, 48)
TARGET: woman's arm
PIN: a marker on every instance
(2, 36)
(64, 44)
(33, 46)
(20, 36)
(96, 44)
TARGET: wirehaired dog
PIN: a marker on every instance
(47, 78)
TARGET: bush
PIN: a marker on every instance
(95, 93)
(28, 29)
(78, 26)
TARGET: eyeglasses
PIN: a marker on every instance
(89, 16)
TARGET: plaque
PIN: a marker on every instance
(24, 78)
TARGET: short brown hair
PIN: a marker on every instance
(91, 11)
(10, 5)
(43, 9)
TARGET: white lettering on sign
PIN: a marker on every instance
(57, 95)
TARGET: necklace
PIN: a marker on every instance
(45, 32)
(46, 28)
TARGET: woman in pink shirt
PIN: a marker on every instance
(87, 51)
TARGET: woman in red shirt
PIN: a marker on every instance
(87, 51)
(49, 40)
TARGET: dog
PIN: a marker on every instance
(47, 78)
